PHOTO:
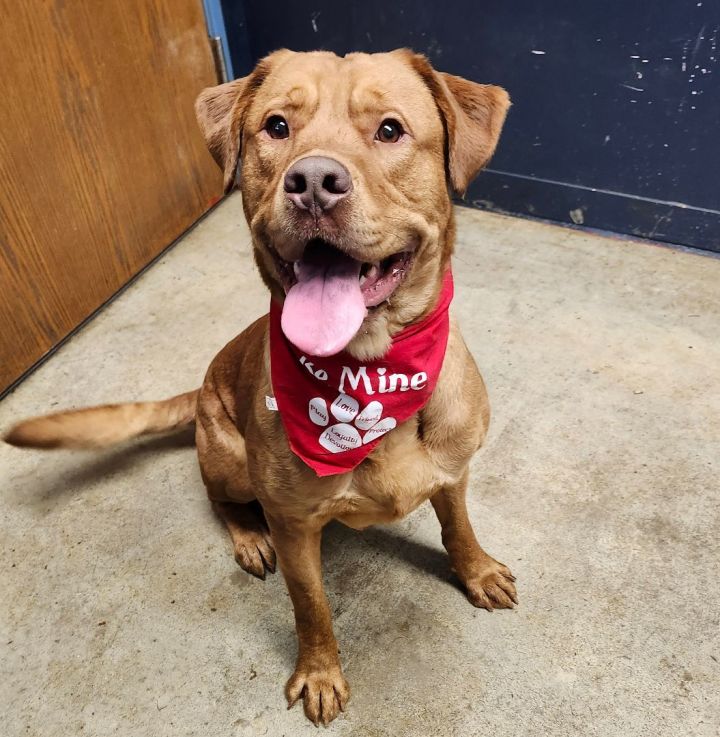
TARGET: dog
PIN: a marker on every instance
(346, 166)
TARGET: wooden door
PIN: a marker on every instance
(101, 161)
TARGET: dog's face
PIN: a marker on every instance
(346, 169)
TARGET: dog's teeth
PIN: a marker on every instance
(296, 267)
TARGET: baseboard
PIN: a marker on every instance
(669, 222)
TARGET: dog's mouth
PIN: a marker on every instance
(329, 293)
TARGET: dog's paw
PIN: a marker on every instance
(324, 692)
(355, 427)
(492, 588)
(254, 552)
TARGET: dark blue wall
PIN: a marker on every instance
(616, 114)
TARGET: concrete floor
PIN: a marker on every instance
(124, 613)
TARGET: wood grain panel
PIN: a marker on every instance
(101, 161)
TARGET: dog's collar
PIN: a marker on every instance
(336, 409)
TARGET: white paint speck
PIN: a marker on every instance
(634, 56)
(538, 52)
(577, 216)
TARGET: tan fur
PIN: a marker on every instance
(272, 503)
(100, 427)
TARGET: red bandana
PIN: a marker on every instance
(336, 409)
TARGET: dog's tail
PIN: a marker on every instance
(100, 427)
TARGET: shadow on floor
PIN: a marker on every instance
(392, 544)
(83, 470)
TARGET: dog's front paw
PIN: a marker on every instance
(492, 587)
(324, 691)
(254, 551)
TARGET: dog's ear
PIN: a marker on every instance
(473, 115)
(221, 113)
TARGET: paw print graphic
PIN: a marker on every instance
(346, 433)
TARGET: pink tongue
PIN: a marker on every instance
(324, 310)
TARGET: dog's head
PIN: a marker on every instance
(346, 167)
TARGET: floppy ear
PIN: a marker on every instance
(219, 112)
(473, 115)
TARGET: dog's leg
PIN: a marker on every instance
(250, 536)
(318, 676)
(489, 584)
(223, 464)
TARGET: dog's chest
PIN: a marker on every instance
(399, 477)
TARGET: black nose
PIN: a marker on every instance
(317, 184)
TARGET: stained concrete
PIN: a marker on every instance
(123, 612)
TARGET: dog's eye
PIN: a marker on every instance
(277, 127)
(390, 131)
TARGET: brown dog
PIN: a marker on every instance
(351, 159)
